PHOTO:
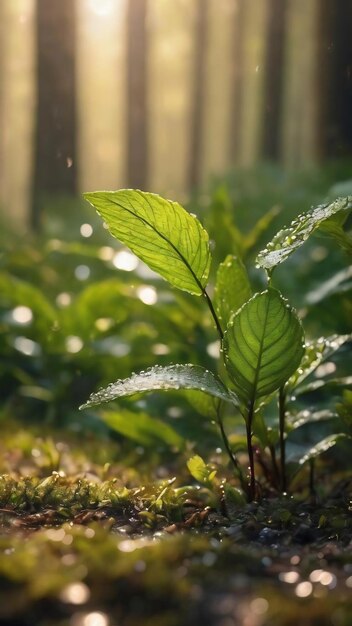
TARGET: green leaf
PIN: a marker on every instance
(307, 417)
(290, 238)
(232, 288)
(205, 405)
(160, 232)
(322, 446)
(165, 378)
(142, 428)
(263, 345)
(333, 228)
(316, 352)
(326, 384)
(200, 470)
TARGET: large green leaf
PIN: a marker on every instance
(232, 288)
(160, 232)
(263, 345)
(287, 240)
(170, 377)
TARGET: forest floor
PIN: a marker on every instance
(78, 548)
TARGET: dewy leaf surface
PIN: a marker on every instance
(322, 446)
(316, 352)
(287, 240)
(232, 288)
(263, 345)
(170, 377)
(160, 232)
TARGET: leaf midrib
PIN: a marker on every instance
(252, 399)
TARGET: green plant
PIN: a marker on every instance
(261, 336)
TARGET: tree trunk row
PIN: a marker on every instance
(199, 86)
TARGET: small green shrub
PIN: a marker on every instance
(262, 339)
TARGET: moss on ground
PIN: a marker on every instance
(87, 544)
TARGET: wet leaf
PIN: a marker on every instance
(306, 417)
(263, 345)
(322, 446)
(160, 232)
(290, 238)
(327, 383)
(316, 352)
(165, 378)
(232, 288)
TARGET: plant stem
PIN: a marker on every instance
(274, 464)
(230, 453)
(312, 478)
(249, 422)
(282, 412)
(212, 311)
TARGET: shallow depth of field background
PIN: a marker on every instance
(242, 111)
(164, 94)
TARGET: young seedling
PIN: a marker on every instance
(262, 340)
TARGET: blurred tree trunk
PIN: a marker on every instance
(200, 36)
(237, 80)
(55, 149)
(137, 166)
(301, 93)
(17, 97)
(249, 80)
(170, 82)
(218, 89)
(100, 52)
(336, 79)
(253, 81)
(273, 78)
(2, 85)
